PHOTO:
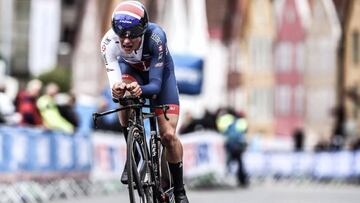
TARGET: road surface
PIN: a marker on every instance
(260, 193)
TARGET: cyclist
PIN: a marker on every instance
(137, 60)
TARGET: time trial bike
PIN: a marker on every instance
(149, 179)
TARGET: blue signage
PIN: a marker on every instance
(189, 73)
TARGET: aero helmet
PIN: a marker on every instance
(129, 19)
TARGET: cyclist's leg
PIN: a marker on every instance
(167, 128)
(169, 95)
(174, 150)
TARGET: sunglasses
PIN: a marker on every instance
(132, 33)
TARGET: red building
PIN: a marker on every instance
(292, 18)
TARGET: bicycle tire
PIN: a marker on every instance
(166, 178)
(164, 186)
(143, 194)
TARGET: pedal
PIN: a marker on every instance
(168, 196)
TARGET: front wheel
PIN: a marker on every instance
(138, 180)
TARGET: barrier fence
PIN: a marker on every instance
(341, 165)
(38, 164)
(30, 153)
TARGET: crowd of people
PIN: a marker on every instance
(39, 105)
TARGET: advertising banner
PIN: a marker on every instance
(40, 150)
(204, 153)
(83, 153)
(31, 153)
(38, 153)
(64, 152)
(44, 35)
(189, 73)
(109, 156)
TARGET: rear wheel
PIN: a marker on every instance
(166, 178)
(164, 189)
(137, 169)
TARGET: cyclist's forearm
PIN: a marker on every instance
(113, 73)
(152, 88)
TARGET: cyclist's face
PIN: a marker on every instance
(130, 44)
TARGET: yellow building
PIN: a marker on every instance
(256, 66)
(351, 83)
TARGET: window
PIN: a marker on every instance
(326, 62)
(283, 100)
(20, 38)
(261, 103)
(300, 59)
(283, 56)
(299, 98)
(355, 45)
(260, 54)
(290, 16)
(319, 103)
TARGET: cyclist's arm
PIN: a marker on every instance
(110, 52)
(158, 52)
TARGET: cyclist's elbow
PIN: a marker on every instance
(157, 90)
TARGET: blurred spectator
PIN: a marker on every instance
(109, 122)
(66, 105)
(298, 137)
(322, 145)
(353, 94)
(355, 144)
(339, 116)
(351, 124)
(336, 143)
(10, 84)
(208, 121)
(234, 126)
(7, 109)
(25, 103)
(50, 112)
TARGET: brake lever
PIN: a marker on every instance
(165, 108)
(95, 116)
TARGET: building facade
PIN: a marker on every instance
(320, 73)
(256, 67)
(292, 19)
(351, 85)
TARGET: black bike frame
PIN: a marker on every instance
(155, 141)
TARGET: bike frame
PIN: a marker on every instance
(154, 142)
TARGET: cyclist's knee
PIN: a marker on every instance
(168, 138)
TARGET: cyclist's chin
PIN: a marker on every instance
(128, 50)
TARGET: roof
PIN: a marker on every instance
(302, 7)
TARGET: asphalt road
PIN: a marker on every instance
(260, 193)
